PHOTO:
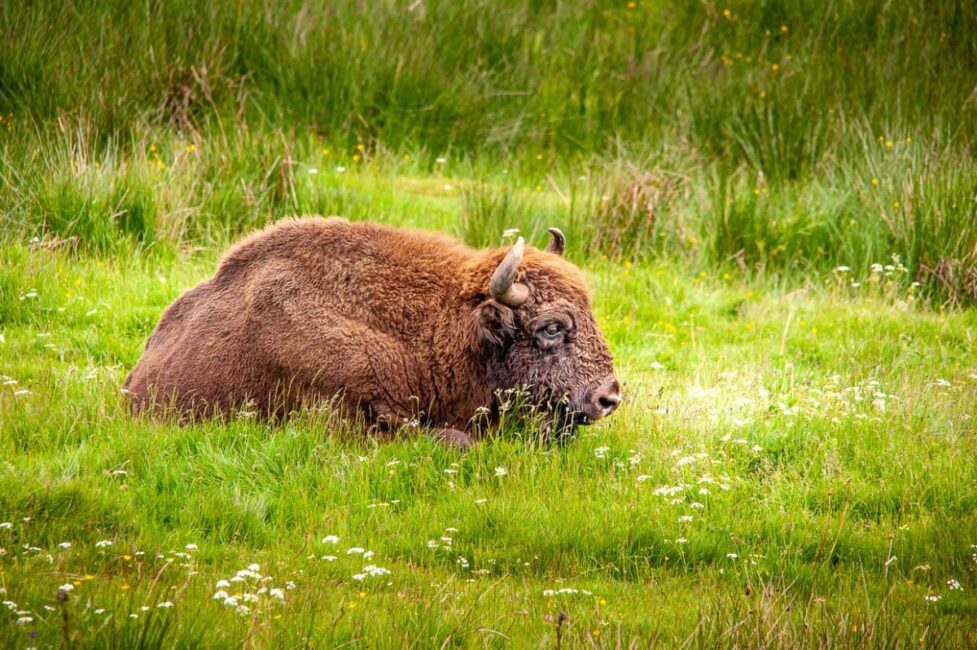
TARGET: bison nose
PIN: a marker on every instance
(603, 400)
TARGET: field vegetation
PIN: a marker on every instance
(775, 204)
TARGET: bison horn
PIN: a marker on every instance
(503, 285)
(559, 242)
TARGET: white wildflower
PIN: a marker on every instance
(330, 539)
(566, 591)
(373, 570)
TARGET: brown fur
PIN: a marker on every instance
(398, 324)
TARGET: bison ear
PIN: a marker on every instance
(495, 326)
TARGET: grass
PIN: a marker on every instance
(774, 203)
(783, 136)
(831, 428)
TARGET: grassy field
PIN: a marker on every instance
(774, 204)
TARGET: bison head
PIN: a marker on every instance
(536, 329)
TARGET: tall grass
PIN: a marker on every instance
(785, 135)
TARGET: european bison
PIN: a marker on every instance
(392, 324)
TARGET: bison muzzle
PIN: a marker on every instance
(392, 325)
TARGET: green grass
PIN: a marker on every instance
(832, 428)
(715, 173)
(783, 136)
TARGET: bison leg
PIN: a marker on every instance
(454, 438)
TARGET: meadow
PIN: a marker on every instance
(775, 204)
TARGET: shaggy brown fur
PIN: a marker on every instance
(397, 324)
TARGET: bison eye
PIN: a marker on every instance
(552, 330)
(550, 336)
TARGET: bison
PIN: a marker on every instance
(391, 325)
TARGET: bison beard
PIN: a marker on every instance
(392, 325)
